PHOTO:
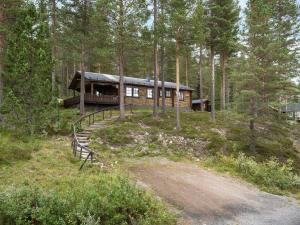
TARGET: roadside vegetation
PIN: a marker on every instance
(223, 145)
(40, 183)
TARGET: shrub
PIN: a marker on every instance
(101, 200)
(271, 173)
(16, 148)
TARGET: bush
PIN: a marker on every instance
(99, 200)
(14, 148)
(271, 173)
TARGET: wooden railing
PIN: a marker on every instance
(90, 120)
(103, 99)
(93, 99)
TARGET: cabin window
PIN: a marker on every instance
(149, 93)
(181, 96)
(135, 92)
(168, 94)
(128, 91)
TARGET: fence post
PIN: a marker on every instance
(89, 120)
(74, 148)
(80, 153)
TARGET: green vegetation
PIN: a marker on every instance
(48, 188)
(15, 148)
(223, 145)
(270, 175)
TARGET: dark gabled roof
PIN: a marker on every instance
(292, 107)
(199, 101)
(127, 80)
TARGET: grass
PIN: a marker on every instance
(224, 141)
(48, 188)
(270, 175)
(16, 148)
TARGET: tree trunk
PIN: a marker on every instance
(227, 88)
(53, 49)
(253, 112)
(82, 83)
(187, 70)
(1, 54)
(213, 103)
(155, 52)
(223, 81)
(163, 89)
(252, 144)
(177, 86)
(201, 79)
(121, 60)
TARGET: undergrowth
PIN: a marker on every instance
(103, 199)
(271, 175)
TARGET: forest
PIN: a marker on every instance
(241, 56)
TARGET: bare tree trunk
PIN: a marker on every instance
(155, 52)
(227, 88)
(82, 83)
(121, 60)
(178, 127)
(68, 81)
(201, 79)
(1, 54)
(187, 70)
(223, 81)
(163, 89)
(253, 112)
(213, 103)
(53, 49)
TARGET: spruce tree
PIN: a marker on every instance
(27, 101)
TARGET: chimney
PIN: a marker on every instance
(148, 78)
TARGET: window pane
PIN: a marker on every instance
(168, 93)
(149, 93)
(135, 92)
(181, 96)
(128, 91)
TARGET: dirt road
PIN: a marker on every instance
(205, 197)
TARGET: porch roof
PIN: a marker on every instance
(108, 78)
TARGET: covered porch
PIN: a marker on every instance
(96, 93)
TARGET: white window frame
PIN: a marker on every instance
(135, 92)
(128, 92)
(149, 93)
(181, 96)
(168, 95)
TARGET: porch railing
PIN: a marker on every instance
(93, 99)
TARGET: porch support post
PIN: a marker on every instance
(92, 88)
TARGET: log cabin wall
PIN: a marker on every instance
(144, 100)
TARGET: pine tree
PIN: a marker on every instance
(228, 22)
(179, 18)
(199, 37)
(127, 18)
(213, 41)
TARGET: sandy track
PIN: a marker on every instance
(205, 197)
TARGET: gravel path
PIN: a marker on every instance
(205, 197)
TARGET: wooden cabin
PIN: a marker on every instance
(292, 111)
(196, 105)
(103, 89)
